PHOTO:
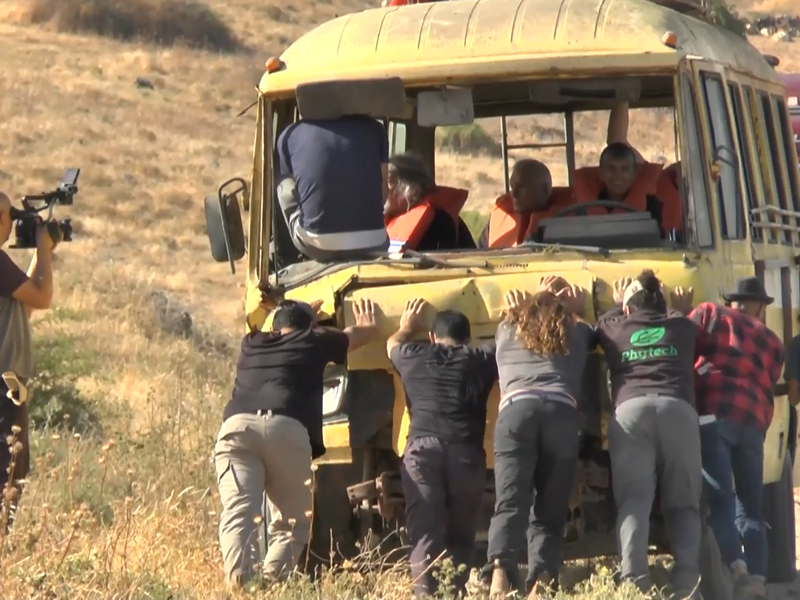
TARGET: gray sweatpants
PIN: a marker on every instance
(655, 440)
(255, 453)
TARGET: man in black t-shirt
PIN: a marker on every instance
(271, 430)
(443, 472)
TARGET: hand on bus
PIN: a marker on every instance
(316, 306)
(411, 320)
(364, 313)
(552, 284)
(682, 299)
(620, 285)
(572, 297)
(516, 298)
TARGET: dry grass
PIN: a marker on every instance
(137, 519)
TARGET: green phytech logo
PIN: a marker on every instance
(645, 345)
(647, 337)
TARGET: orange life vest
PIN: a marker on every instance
(408, 229)
(587, 187)
(508, 228)
(667, 191)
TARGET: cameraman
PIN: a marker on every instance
(20, 294)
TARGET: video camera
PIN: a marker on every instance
(28, 219)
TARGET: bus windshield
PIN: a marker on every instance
(565, 125)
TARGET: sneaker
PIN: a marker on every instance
(541, 589)
(500, 586)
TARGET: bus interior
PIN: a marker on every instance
(554, 114)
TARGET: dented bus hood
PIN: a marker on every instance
(480, 295)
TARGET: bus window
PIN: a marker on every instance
(773, 157)
(767, 173)
(788, 141)
(744, 132)
(698, 191)
(723, 148)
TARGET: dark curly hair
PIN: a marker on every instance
(543, 324)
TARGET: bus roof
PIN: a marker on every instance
(468, 40)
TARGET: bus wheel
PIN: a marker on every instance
(779, 517)
(715, 583)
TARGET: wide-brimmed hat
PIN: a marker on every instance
(748, 288)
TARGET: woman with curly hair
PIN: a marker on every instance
(542, 349)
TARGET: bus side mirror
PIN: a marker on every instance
(224, 223)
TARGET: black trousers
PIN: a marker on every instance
(443, 484)
(535, 460)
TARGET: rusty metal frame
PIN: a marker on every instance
(568, 144)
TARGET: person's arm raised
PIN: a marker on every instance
(410, 323)
(618, 124)
(366, 328)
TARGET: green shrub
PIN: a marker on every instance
(55, 391)
(726, 17)
(164, 22)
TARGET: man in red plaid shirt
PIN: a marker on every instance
(740, 362)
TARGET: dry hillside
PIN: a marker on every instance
(121, 501)
(765, 6)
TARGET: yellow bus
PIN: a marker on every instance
(421, 67)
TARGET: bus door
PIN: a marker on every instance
(723, 172)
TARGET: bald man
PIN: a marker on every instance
(20, 293)
(516, 215)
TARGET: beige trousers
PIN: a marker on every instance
(254, 454)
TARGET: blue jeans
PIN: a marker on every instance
(734, 454)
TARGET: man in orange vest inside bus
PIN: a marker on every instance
(420, 215)
(637, 182)
(620, 178)
(516, 215)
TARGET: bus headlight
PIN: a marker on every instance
(333, 389)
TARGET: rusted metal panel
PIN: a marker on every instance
(439, 40)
